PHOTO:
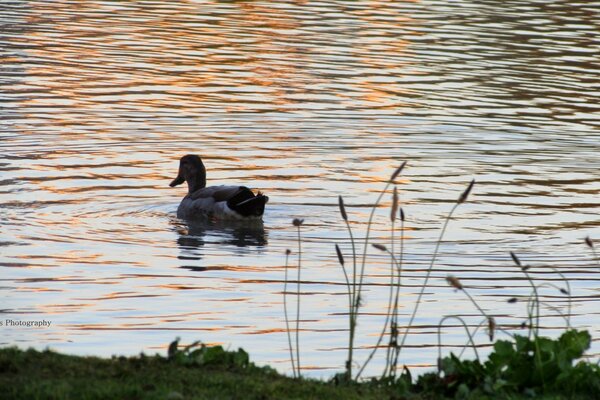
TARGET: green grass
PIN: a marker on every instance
(33, 375)
(211, 373)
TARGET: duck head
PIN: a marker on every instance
(192, 171)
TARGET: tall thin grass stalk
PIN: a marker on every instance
(350, 306)
(388, 312)
(393, 266)
(563, 291)
(394, 339)
(342, 263)
(492, 327)
(533, 302)
(590, 244)
(566, 291)
(462, 321)
(455, 283)
(483, 322)
(461, 199)
(560, 313)
(551, 285)
(352, 291)
(357, 291)
(391, 310)
(366, 244)
(297, 223)
(536, 299)
(285, 311)
(536, 302)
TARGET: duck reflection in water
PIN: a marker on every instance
(240, 237)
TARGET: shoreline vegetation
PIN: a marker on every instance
(530, 365)
(200, 372)
(526, 365)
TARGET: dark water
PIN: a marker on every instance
(305, 101)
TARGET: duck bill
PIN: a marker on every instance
(177, 181)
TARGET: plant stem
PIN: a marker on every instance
(433, 258)
(537, 303)
(564, 278)
(387, 320)
(536, 299)
(285, 311)
(358, 291)
(466, 329)
(298, 304)
(484, 321)
(395, 313)
(353, 308)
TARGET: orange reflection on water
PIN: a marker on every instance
(172, 58)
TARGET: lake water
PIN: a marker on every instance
(305, 101)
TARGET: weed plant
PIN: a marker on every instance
(521, 366)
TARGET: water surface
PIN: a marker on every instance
(305, 101)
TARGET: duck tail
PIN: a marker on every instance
(247, 204)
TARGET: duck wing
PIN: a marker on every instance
(237, 199)
(217, 193)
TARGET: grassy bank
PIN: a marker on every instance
(48, 375)
(212, 373)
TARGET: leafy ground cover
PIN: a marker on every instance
(515, 370)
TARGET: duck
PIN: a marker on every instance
(221, 202)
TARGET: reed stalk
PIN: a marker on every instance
(352, 309)
(393, 265)
(560, 313)
(357, 298)
(535, 303)
(566, 291)
(388, 312)
(463, 197)
(536, 298)
(358, 290)
(590, 244)
(394, 340)
(297, 223)
(563, 291)
(285, 312)
(462, 321)
(455, 283)
(342, 263)
(393, 327)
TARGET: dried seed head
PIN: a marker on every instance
(515, 259)
(465, 194)
(491, 328)
(564, 291)
(589, 242)
(401, 214)
(297, 221)
(342, 208)
(394, 204)
(523, 324)
(512, 300)
(454, 282)
(397, 171)
(339, 254)
(525, 267)
(288, 252)
(359, 302)
(394, 329)
(379, 247)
